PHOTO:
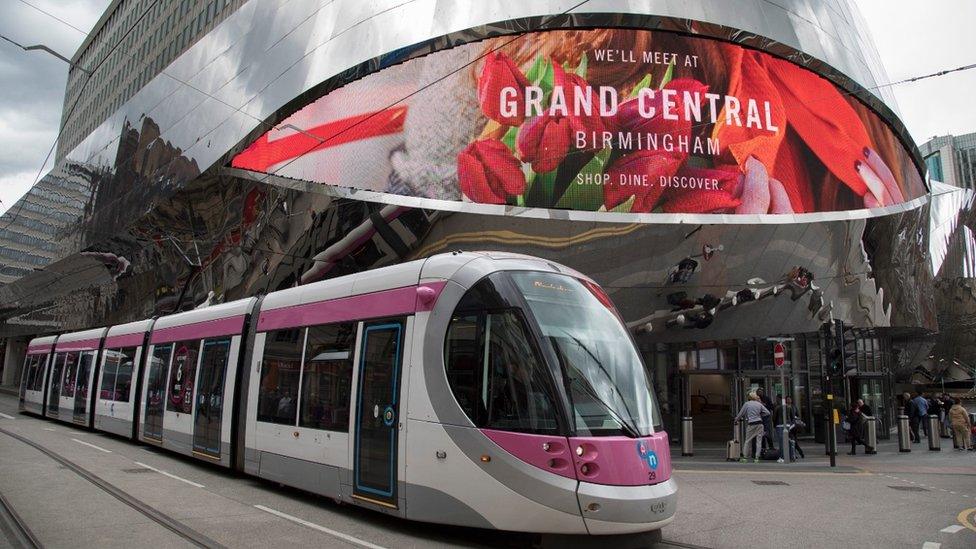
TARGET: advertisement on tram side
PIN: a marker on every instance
(599, 120)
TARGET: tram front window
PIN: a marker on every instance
(494, 370)
(603, 374)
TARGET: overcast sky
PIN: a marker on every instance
(913, 38)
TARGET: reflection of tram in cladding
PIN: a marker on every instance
(506, 383)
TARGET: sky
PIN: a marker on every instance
(912, 38)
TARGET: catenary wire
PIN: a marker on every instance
(517, 37)
(71, 110)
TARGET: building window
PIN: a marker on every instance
(327, 377)
(280, 370)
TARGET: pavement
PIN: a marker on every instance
(891, 499)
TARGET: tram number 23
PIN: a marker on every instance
(651, 476)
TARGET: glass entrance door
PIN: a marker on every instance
(156, 375)
(85, 363)
(377, 413)
(871, 391)
(210, 397)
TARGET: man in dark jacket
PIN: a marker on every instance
(767, 421)
(912, 414)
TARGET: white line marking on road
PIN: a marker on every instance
(99, 448)
(5, 416)
(952, 529)
(931, 545)
(951, 492)
(49, 429)
(340, 535)
(170, 475)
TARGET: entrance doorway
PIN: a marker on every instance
(709, 402)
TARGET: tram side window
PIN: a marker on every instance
(182, 375)
(70, 370)
(123, 377)
(30, 365)
(280, 367)
(109, 370)
(327, 377)
(37, 382)
(496, 375)
(117, 374)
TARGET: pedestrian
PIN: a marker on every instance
(910, 412)
(921, 413)
(767, 420)
(855, 420)
(947, 403)
(935, 409)
(754, 414)
(865, 409)
(793, 423)
(961, 426)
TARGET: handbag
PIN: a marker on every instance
(845, 425)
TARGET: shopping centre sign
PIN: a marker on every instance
(601, 120)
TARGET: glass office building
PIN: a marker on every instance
(728, 170)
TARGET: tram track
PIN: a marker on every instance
(18, 534)
(164, 520)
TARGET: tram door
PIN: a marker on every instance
(210, 397)
(54, 385)
(156, 392)
(81, 386)
(375, 453)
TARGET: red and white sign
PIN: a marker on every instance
(779, 355)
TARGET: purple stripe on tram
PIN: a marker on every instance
(39, 349)
(83, 345)
(200, 330)
(398, 301)
(124, 340)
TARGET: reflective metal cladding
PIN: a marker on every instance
(162, 220)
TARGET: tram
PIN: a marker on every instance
(471, 388)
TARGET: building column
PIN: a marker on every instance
(13, 361)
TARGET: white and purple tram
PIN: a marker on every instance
(476, 389)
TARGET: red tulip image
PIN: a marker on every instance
(639, 174)
(500, 72)
(628, 117)
(544, 141)
(489, 173)
(571, 85)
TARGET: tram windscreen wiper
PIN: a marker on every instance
(599, 364)
(591, 392)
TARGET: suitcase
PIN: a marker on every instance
(733, 451)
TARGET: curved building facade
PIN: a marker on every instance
(728, 171)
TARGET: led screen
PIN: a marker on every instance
(598, 120)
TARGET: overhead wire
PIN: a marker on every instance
(323, 140)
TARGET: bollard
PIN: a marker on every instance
(687, 449)
(831, 439)
(871, 435)
(934, 440)
(904, 435)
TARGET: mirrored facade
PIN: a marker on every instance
(149, 214)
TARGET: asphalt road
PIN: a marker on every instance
(884, 502)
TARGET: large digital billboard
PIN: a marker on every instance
(616, 120)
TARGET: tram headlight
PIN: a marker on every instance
(579, 451)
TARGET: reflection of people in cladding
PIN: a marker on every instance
(829, 153)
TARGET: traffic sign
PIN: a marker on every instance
(779, 355)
